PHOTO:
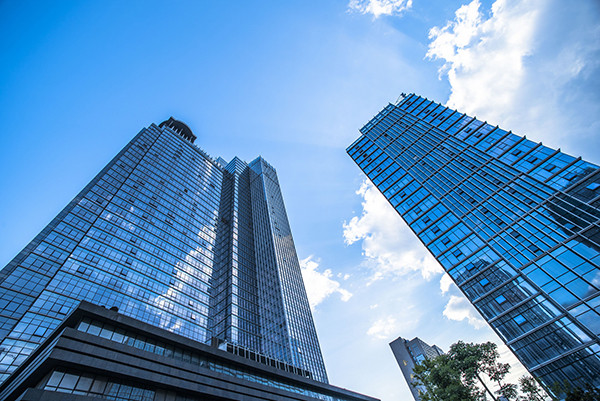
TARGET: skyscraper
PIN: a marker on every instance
(408, 354)
(172, 238)
(514, 223)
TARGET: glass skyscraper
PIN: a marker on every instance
(514, 223)
(169, 236)
(408, 353)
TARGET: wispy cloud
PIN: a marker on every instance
(380, 7)
(528, 65)
(320, 285)
(390, 247)
(459, 309)
(386, 328)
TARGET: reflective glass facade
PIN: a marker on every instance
(173, 238)
(513, 222)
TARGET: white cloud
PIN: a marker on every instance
(384, 329)
(319, 285)
(390, 247)
(484, 58)
(380, 7)
(529, 65)
(459, 309)
(343, 276)
(445, 283)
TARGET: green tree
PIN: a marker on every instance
(583, 394)
(531, 390)
(461, 375)
(443, 381)
(479, 360)
(569, 392)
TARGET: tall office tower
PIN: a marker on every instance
(174, 239)
(513, 222)
(408, 354)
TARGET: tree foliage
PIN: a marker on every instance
(583, 394)
(573, 393)
(443, 381)
(461, 374)
(531, 390)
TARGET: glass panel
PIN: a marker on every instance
(68, 381)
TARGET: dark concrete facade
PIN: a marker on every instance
(147, 375)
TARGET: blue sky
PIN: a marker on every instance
(293, 82)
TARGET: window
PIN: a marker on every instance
(500, 299)
(532, 159)
(484, 282)
(516, 152)
(533, 248)
(593, 186)
(519, 319)
(570, 176)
